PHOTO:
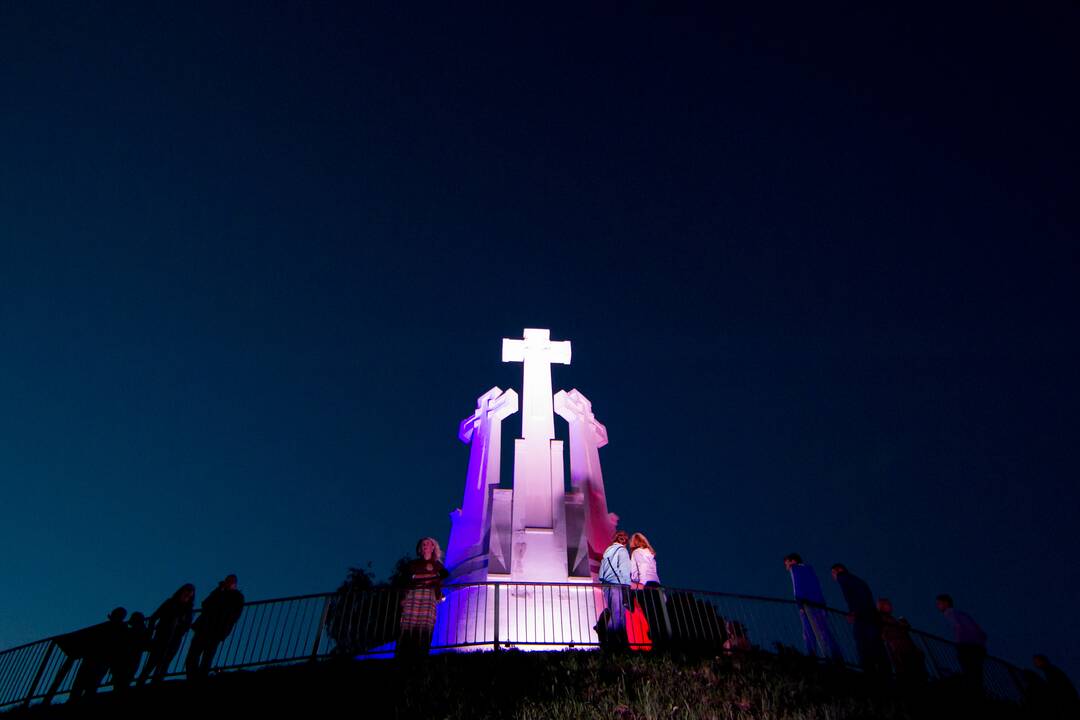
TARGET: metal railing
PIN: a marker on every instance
(526, 616)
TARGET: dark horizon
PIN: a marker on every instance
(819, 271)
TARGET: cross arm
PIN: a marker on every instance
(538, 344)
(496, 404)
(574, 407)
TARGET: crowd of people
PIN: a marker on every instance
(884, 645)
(636, 615)
(118, 644)
(883, 642)
(634, 568)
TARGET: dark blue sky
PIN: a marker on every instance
(819, 272)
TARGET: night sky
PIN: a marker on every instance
(819, 271)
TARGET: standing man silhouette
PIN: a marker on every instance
(220, 611)
(970, 643)
(1060, 692)
(863, 615)
(168, 625)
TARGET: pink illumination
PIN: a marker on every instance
(537, 531)
(467, 551)
(538, 521)
(587, 436)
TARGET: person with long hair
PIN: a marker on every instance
(642, 563)
(420, 604)
(646, 582)
(168, 625)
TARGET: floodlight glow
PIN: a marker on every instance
(535, 532)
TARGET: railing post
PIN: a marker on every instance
(39, 673)
(496, 628)
(319, 629)
(931, 657)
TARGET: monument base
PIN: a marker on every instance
(524, 616)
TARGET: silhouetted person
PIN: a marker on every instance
(1033, 695)
(220, 611)
(970, 643)
(865, 623)
(615, 577)
(908, 660)
(168, 625)
(735, 636)
(128, 652)
(421, 602)
(812, 613)
(76, 645)
(1061, 698)
(104, 643)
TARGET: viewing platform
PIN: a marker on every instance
(497, 617)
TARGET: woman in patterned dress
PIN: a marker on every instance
(418, 609)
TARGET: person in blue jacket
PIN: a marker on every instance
(615, 577)
(812, 613)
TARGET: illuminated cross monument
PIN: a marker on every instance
(537, 531)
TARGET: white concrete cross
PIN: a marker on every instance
(537, 352)
(587, 436)
(574, 407)
(483, 432)
(492, 408)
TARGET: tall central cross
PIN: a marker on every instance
(537, 352)
(539, 538)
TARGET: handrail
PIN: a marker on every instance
(529, 615)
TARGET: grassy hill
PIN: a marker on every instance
(534, 686)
